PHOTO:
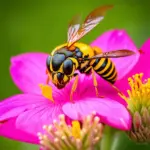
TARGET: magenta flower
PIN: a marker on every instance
(23, 115)
(142, 66)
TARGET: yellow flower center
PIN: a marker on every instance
(139, 95)
(47, 91)
(76, 130)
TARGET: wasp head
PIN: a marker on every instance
(61, 69)
(60, 79)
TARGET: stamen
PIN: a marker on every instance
(47, 91)
(76, 129)
(62, 136)
(138, 103)
(139, 94)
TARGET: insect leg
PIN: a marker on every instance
(48, 77)
(95, 84)
(116, 89)
(47, 80)
(74, 86)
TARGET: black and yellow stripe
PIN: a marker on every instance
(85, 69)
(105, 68)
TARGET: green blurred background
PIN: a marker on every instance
(40, 25)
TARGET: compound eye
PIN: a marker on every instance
(68, 66)
(57, 61)
(48, 60)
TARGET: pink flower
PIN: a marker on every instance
(142, 66)
(23, 115)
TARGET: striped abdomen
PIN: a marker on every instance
(105, 68)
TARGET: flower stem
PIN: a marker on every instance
(108, 138)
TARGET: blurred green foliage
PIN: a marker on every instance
(40, 25)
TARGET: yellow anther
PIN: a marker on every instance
(139, 95)
(76, 130)
(46, 91)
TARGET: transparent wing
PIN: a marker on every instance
(93, 19)
(73, 28)
(90, 22)
(114, 54)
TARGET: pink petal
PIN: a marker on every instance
(9, 130)
(110, 111)
(32, 121)
(85, 84)
(14, 105)
(28, 71)
(115, 40)
(31, 112)
(142, 66)
(106, 90)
